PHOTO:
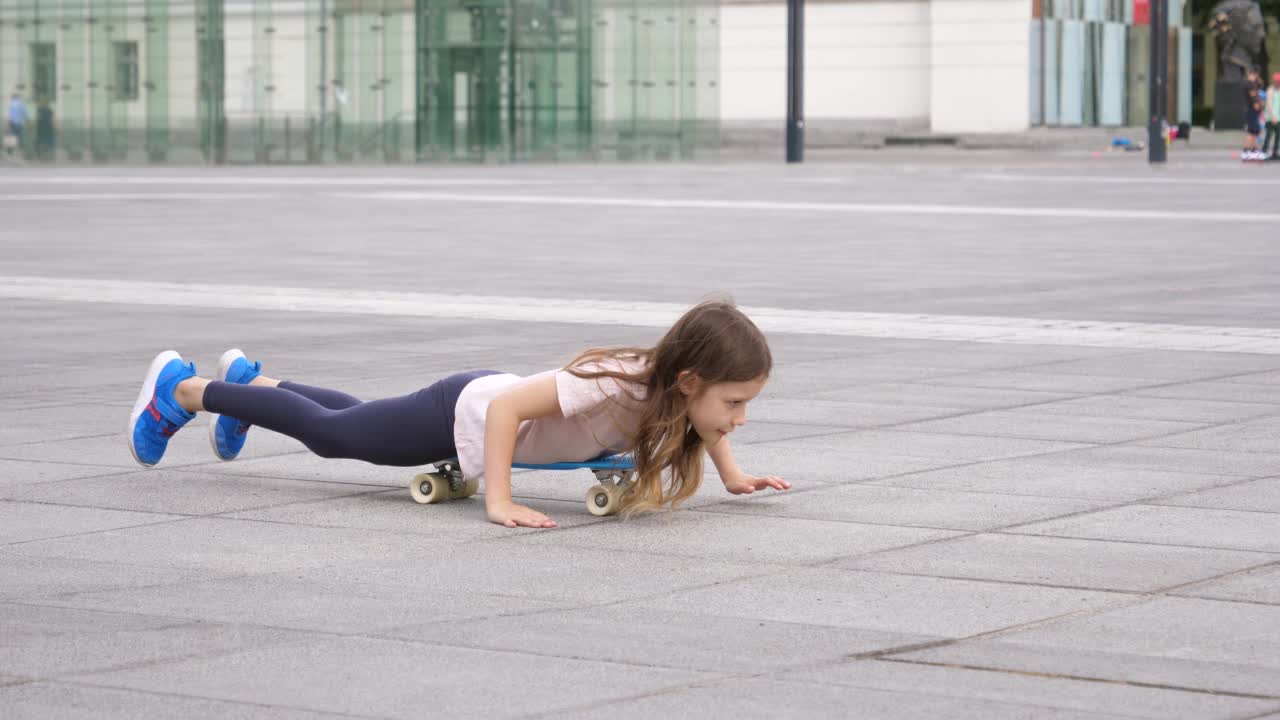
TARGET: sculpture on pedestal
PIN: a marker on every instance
(1238, 27)
(1240, 32)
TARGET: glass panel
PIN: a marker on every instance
(1053, 31)
(1138, 51)
(125, 60)
(1071, 85)
(156, 79)
(1182, 79)
(44, 71)
(272, 81)
(1111, 92)
(1035, 114)
(70, 113)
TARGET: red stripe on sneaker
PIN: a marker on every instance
(151, 407)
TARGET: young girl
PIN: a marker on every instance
(664, 404)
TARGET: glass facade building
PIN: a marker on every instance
(1090, 60)
(378, 81)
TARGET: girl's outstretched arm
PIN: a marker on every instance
(524, 402)
(735, 480)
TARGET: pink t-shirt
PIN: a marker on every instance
(597, 416)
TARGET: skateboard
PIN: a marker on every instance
(614, 473)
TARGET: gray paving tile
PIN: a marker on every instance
(758, 431)
(971, 398)
(1260, 436)
(1192, 644)
(23, 521)
(880, 601)
(1193, 527)
(1039, 692)
(282, 601)
(1268, 377)
(1092, 564)
(693, 640)
(47, 642)
(236, 546)
(976, 356)
(957, 448)
(1171, 367)
(395, 511)
(786, 698)
(1215, 390)
(1209, 462)
(547, 573)
(791, 382)
(305, 465)
(1045, 380)
(840, 414)
(1255, 496)
(802, 463)
(14, 473)
(40, 424)
(1154, 408)
(1033, 425)
(30, 577)
(187, 448)
(396, 678)
(738, 538)
(1022, 476)
(571, 486)
(168, 491)
(69, 701)
(1261, 586)
(907, 506)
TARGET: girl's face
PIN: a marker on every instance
(717, 409)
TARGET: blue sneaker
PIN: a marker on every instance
(156, 415)
(227, 434)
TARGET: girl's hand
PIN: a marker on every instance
(744, 484)
(513, 515)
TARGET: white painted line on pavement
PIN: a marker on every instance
(811, 207)
(959, 328)
(1122, 179)
(239, 180)
(80, 197)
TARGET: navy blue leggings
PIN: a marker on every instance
(413, 429)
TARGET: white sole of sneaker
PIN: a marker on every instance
(224, 364)
(145, 395)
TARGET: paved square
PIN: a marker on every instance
(1029, 403)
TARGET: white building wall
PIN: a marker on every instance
(981, 58)
(955, 65)
(863, 60)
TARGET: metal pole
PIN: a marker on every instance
(1159, 81)
(795, 81)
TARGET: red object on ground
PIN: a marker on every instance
(1141, 12)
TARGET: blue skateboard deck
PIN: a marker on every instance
(604, 462)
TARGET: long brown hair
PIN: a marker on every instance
(713, 341)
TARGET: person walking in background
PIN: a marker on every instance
(1271, 141)
(18, 117)
(44, 130)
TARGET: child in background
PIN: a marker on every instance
(1271, 141)
(1252, 116)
